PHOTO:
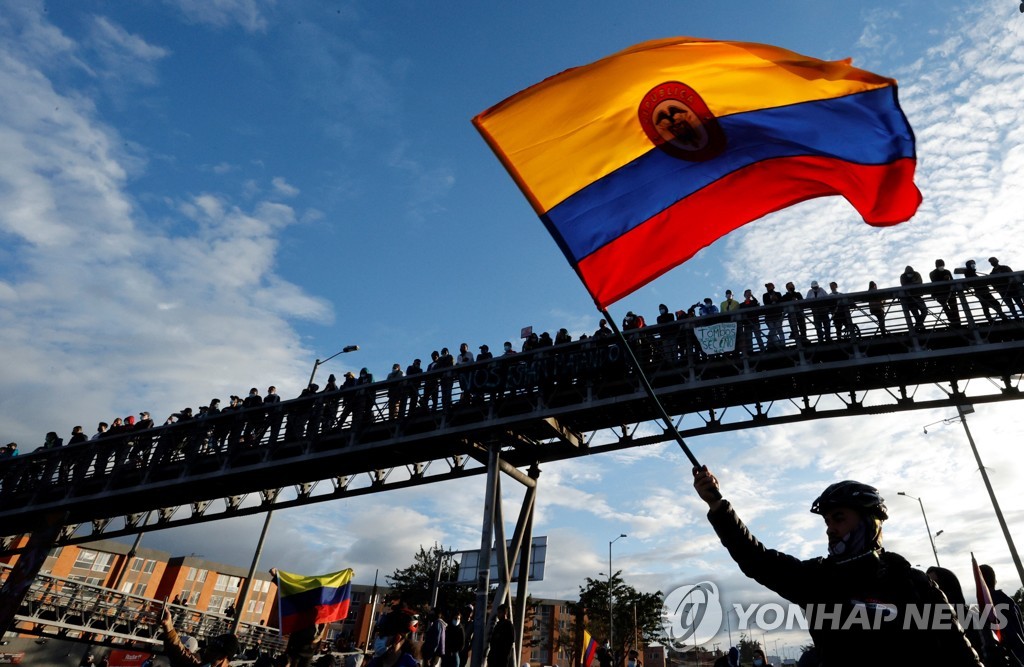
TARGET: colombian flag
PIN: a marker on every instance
(637, 161)
(306, 601)
(589, 649)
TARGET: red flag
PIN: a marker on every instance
(987, 607)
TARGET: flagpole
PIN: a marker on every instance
(670, 427)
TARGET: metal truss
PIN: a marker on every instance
(551, 404)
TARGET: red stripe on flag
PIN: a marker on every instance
(676, 234)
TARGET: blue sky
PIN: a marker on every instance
(199, 196)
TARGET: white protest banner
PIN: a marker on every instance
(717, 338)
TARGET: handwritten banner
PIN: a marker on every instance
(717, 338)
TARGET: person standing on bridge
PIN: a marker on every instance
(943, 292)
(913, 304)
(1008, 287)
(864, 605)
(772, 301)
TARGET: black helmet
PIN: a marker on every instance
(855, 495)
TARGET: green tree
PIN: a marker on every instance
(636, 616)
(747, 647)
(415, 583)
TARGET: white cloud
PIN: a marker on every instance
(126, 298)
(124, 55)
(283, 188)
(249, 14)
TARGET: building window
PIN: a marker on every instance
(137, 564)
(227, 583)
(150, 566)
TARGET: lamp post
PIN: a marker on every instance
(320, 362)
(611, 643)
(926, 527)
(963, 411)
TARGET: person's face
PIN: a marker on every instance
(839, 523)
(790, 287)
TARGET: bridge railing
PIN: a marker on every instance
(877, 322)
(77, 609)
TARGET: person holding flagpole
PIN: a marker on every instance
(864, 605)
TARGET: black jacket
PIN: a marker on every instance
(850, 592)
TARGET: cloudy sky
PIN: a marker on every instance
(197, 197)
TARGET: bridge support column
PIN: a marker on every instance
(493, 531)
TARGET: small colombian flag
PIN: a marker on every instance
(309, 600)
(637, 161)
(589, 649)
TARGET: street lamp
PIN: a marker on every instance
(962, 412)
(611, 643)
(926, 527)
(320, 362)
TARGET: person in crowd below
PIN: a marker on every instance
(144, 421)
(531, 342)
(468, 625)
(101, 431)
(218, 651)
(795, 315)
(707, 307)
(876, 306)
(845, 591)
(950, 585)
(545, 340)
(52, 441)
(508, 351)
(9, 450)
(730, 304)
(603, 330)
(943, 292)
(433, 647)
(77, 435)
(485, 353)
(562, 337)
(396, 393)
(454, 641)
(465, 356)
(820, 305)
(1013, 633)
(400, 649)
(842, 319)
(981, 292)
(412, 385)
(751, 322)
(1008, 288)
(913, 303)
(772, 301)
(501, 639)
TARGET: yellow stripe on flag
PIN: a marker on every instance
(574, 128)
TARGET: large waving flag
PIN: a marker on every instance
(308, 600)
(639, 160)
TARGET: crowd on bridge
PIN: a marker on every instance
(761, 324)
